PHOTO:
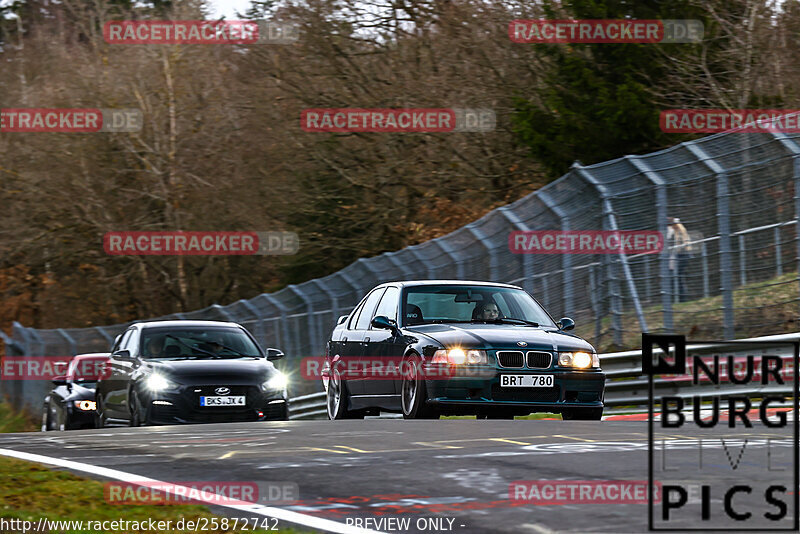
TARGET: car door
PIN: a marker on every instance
(359, 338)
(381, 346)
(117, 376)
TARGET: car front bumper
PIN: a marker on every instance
(182, 406)
(571, 389)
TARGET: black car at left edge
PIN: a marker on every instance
(442, 347)
(172, 372)
(70, 404)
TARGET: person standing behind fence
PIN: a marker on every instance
(679, 253)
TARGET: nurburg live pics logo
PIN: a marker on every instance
(739, 474)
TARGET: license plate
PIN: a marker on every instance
(526, 381)
(236, 400)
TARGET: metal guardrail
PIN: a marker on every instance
(311, 406)
(626, 386)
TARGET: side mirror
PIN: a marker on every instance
(565, 324)
(274, 354)
(342, 318)
(124, 355)
(385, 323)
(60, 380)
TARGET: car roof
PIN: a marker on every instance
(410, 283)
(184, 323)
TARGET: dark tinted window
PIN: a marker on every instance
(388, 305)
(351, 322)
(369, 308)
(198, 342)
(123, 340)
(463, 304)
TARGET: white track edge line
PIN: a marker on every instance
(267, 511)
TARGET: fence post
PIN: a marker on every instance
(610, 220)
(429, 272)
(742, 262)
(724, 228)
(73, 347)
(284, 332)
(598, 320)
(392, 256)
(777, 237)
(105, 335)
(480, 236)
(448, 249)
(527, 259)
(566, 259)
(661, 221)
(261, 334)
(34, 333)
(704, 258)
(312, 324)
(320, 283)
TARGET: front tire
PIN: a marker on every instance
(414, 393)
(46, 425)
(582, 414)
(136, 410)
(99, 416)
(339, 398)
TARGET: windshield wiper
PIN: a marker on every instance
(509, 320)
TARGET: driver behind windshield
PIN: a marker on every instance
(214, 346)
(155, 347)
(486, 311)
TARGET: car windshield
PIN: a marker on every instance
(466, 304)
(85, 371)
(197, 343)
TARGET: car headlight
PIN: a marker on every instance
(460, 357)
(85, 405)
(157, 383)
(277, 381)
(578, 360)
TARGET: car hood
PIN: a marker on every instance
(505, 336)
(228, 371)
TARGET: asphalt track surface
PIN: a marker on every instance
(451, 469)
